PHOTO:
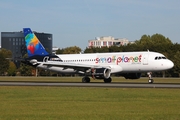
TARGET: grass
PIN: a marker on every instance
(30, 103)
(80, 103)
(79, 79)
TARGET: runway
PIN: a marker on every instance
(112, 85)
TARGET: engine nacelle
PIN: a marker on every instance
(132, 75)
(101, 73)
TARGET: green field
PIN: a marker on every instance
(81, 103)
(79, 79)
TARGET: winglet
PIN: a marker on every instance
(33, 45)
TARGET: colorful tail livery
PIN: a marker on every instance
(34, 46)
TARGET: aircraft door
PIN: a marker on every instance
(145, 59)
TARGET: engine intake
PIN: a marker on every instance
(101, 73)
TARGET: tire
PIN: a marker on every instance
(150, 81)
(85, 80)
(108, 80)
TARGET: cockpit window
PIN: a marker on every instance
(160, 57)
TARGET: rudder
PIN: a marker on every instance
(33, 45)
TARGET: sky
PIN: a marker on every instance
(74, 22)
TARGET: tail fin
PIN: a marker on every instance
(33, 45)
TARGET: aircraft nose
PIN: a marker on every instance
(170, 64)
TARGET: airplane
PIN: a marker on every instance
(96, 65)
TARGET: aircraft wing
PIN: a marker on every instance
(76, 66)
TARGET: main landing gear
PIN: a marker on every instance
(150, 78)
(86, 79)
(107, 80)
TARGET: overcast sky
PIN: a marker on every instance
(74, 22)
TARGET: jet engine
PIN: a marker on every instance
(132, 75)
(101, 73)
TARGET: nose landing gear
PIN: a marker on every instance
(150, 78)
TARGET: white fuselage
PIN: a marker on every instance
(119, 62)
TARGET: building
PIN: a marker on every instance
(107, 41)
(15, 42)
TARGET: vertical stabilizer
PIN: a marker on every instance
(33, 45)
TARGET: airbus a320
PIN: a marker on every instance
(96, 65)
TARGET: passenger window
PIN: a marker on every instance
(156, 58)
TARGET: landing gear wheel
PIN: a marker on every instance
(85, 79)
(107, 80)
(150, 80)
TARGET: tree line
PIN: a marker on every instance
(156, 43)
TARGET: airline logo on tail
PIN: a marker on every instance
(34, 47)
